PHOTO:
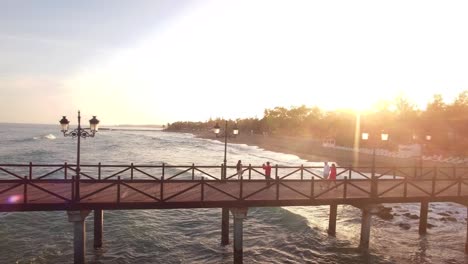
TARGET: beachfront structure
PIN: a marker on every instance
(48, 187)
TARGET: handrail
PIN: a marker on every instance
(175, 172)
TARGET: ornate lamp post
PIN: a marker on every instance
(421, 151)
(224, 211)
(365, 137)
(79, 133)
(217, 130)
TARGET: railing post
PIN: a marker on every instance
(433, 186)
(163, 170)
(118, 189)
(415, 171)
(454, 172)
(405, 187)
(276, 170)
(459, 187)
(131, 171)
(250, 171)
(65, 170)
(312, 187)
(302, 172)
(350, 170)
(345, 187)
(99, 171)
(30, 170)
(223, 175)
(25, 190)
(193, 171)
(73, 198)
(161, 188)
(241, 188)
(374, 187)
(202, 189)
(277, 186)
(373, 179)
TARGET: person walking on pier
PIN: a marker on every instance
(239, 169)
(332, 176)
(267, 169)
(326, 170)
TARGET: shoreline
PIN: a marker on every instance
(312, 150)
(306, 148)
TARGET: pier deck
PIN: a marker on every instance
(299, 186)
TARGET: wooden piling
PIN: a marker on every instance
(365, 229)
(98, 227)
(224, 226)
(466, 243)
(79, 234)
(239, 215)
(423, 217)
(332, 219)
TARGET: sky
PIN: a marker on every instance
(154, 62)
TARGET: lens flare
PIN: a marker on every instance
(14, 198)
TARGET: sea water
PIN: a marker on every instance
(271, 234)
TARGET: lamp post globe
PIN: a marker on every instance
(235, 130)
(365, 136)
(64, 123)
(93, 124)
(384, 136)
(216, 129)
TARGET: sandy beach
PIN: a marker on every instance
(312, 150)
(305, 148)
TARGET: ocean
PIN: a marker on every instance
(271, 234)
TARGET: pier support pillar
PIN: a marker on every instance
(98, 227)
(239, 215)
(366, 223)
(224, 226)
(332, 219)
(466, 244)
(423, 217)
(79, 234)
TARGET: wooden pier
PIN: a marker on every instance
(46, 187)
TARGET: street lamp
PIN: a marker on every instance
(224, 211)
(383, 137)
(217, 130)
(235, 130)
(79, 133)
(421, 151)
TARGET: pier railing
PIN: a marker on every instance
(195, 185)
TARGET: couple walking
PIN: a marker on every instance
(329, 173)
(266, 168)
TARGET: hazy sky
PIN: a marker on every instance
(147, 62)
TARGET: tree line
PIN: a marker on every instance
(445, 123)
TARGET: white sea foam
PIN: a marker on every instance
(50, 136)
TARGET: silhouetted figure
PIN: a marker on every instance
(267, 169)
(332, 176)
(239, 169)
(326, 170)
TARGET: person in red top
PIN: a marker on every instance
(267, 169)
(332, 176)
